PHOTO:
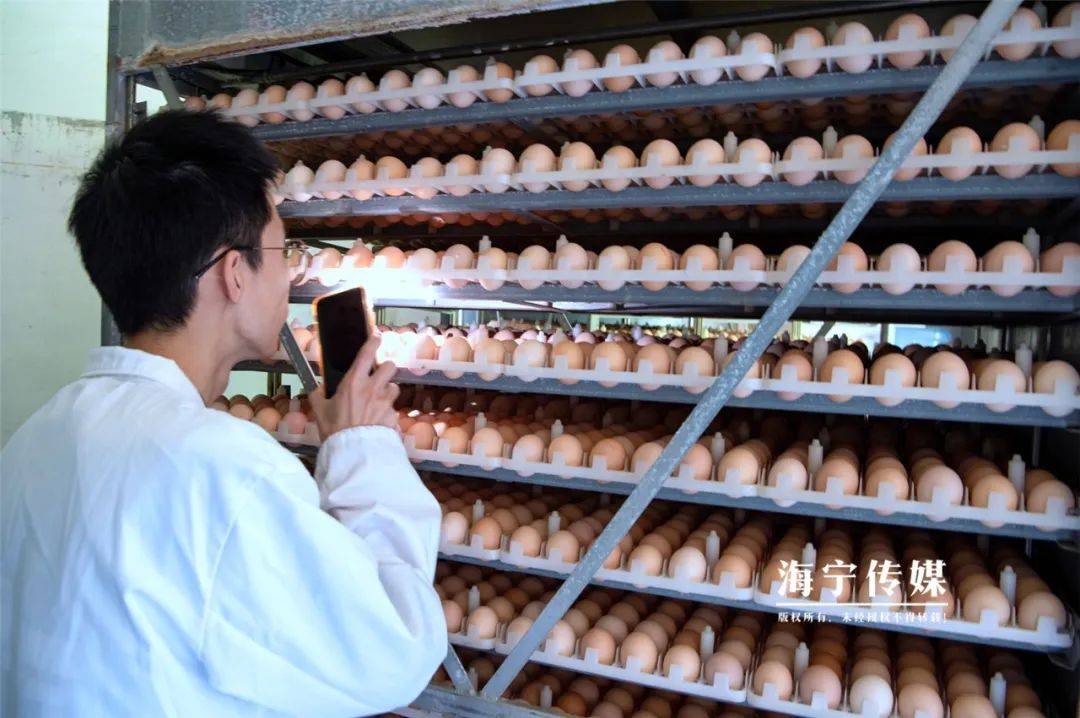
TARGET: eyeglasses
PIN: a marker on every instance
(292, 249)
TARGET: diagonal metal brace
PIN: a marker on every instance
(298, 360)
(456, 671)
(843, 224)
(168, 87)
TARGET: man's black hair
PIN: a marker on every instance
(158, 203)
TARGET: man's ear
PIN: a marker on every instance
(232, 278)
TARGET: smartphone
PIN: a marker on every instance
(344, 323)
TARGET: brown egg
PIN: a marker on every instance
(1008, 253)
(740, 462)
(659, 362)
(971, 705)
(940, 364)
(1053, 261)
(746, 256)
(569, 447)
(1059, 140)
(646, 558)
(837, 468)
(618, 157)
(803, 369)
(626, 56)
(819, 679)
(858, 260)
(660, 153)
(901, 366)
(483, 621)
(563, 546)
(1041, 604)
(540, 65)
(805, 38)
(844, 359)
(578, 60)
(740, 570)
(777, 674)
(572, 355)
(1021, 137)
(642, 649)
(962, 141)
(966, 261)
(991, 484)
(919, 697)
(489, 531)
(537, 158)
(528, 538)
(686, 658)
(487, 442)
(806, 149)
(908, 27)
(986, 598)
(688, 564)
(753, 43)
(571, 256)
(1037, 498)
(613, 453)
(663, 51)
(751, 150)
(852, 146)
(601, 642)
(1024, 19)
(705, 259)
(853, 34)
(705, 152)
(1004, 371)
(902, 258)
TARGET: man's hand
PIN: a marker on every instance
(362, 398)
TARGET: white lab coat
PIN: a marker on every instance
(163, 558)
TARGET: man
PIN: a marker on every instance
(164, 558)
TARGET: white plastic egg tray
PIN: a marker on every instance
(1045, 635)
(1056, 517)
(699, 68)
(740, 277)
(652, 171)
(720, 586)
(586, 661)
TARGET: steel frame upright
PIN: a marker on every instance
(843, 224)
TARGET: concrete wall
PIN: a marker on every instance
(52, 109)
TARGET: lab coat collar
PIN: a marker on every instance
(122, 361)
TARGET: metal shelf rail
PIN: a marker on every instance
(820, 403)
(750, 503)
(1045, 70)
(982, 302)
(1043, 186)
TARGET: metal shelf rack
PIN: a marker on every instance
(130, 58)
